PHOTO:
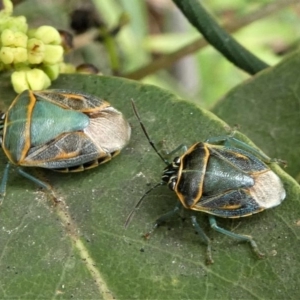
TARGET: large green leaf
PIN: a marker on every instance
(80, 249)
(267, 109)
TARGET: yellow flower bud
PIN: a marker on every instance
(36, 51)
(20, 39)
(15, 39)
(34, 79)
(7, 37)
(47, 34)
(6, 55)
(7, 7)
(19, 82)
(20, 54)
(14, 24)
(53, 54)
(37, 79)
(52, 71)
(67, 68)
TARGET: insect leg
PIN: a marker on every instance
(4, 182)
(163, 218)
(241, 237)
(205, 238)
(182, 147)
(42, 184)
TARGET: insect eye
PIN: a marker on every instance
(176, 161)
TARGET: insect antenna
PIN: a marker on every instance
(136, 207)
(146, 133)
(130, 216)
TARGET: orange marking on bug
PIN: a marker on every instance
(239, 155)
(66, 155)
(30, 108)
(231, 207)
(180, 171)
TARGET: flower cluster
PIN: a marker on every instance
(34, 55)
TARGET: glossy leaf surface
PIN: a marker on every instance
(80, 248)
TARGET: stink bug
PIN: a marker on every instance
(222, 177)
(61, 130)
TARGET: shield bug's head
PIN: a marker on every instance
(170, 173)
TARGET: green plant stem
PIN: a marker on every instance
(110, 45)
(219, 38)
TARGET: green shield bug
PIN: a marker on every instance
(222, 177)
(61, 130)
